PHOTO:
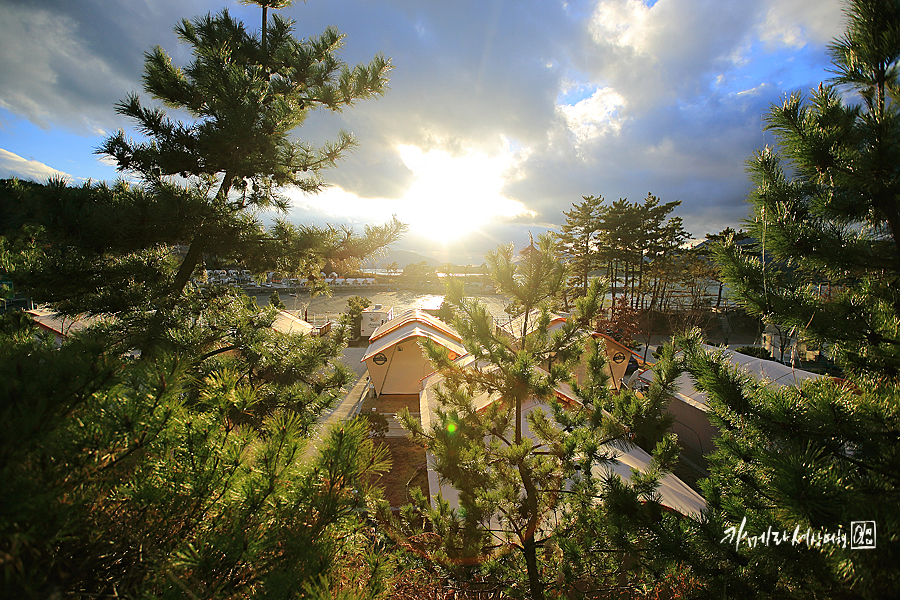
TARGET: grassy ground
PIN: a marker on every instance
(392, 403)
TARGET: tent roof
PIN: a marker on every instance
(285, 322)
(411, 330)
(673, 492)
(513, 327)
(419, 317)
(611, 341)
(61, 324)
(773, 373)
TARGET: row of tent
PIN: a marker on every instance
(397, 365)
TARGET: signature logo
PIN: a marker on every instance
(862, 535)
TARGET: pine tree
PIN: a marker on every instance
(246, 94)
(826, 267)
(510, 478)
(621, 238)
(579, 241)
(825, 204)
(161, 452)
(513, 490)
(147, 478)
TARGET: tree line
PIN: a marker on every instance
(640, 248)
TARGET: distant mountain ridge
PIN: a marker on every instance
(402, 258)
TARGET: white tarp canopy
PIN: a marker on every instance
(285, 322)
(394, 359)
(398, 336)
(769, 371)
(420, 317)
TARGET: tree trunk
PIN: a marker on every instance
(529, 544)
(612, 279)
(642, 302)
(195, 252)
(190, 262)
(529, 548)
(265, 19)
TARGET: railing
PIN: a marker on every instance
(320, 319)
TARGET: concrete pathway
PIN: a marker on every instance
(347, 408)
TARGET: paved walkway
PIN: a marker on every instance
(348, 407)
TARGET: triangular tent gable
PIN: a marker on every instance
(396, 362)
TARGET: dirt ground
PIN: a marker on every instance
(407, 472)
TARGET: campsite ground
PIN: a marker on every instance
(408, 468)
(407, 471)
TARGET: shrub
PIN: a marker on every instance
(756, 351)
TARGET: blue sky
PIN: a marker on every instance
(500, 115)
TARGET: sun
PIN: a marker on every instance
(452, 196)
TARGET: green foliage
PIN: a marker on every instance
(355, 307)
(825, 268)
(507, 482)
(163, 451)
(136, 478)
(581, 237)
(755, 351)
(532, 282)
(445, 312)
(825, 210)
(535, 506)
(378, 424)
(819, 457)
(620, 238)
(275, 301)
(245, 97)
(418, 272)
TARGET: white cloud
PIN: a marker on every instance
(624, 23)
(13, 165)
(652, 55)
(797, 23)
(337, 204)
(50, 74)
(594, 116)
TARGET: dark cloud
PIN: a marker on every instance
(65, 64)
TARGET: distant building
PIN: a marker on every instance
(374, 317)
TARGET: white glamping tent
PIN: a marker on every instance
(396, 362)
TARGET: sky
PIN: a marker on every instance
(500, 114)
